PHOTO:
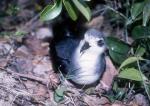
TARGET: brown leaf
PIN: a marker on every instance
(96, 101)
(43, 68)
(96, 22)
(23, 52)
(3, 62)
(108, 76)
(36, 46)
(140, 100)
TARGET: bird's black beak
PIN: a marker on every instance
(85, 47)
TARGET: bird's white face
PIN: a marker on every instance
(94, 38)
(88, 56)
(94, 41)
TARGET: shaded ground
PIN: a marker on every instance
(27, 76)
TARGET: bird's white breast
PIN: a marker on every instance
(87, 63)
(88, 59)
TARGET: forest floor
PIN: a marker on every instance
(27, 77)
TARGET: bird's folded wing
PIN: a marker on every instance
(65, 49)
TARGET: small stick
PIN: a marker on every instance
(31, 77)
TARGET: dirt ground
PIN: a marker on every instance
(27, 77)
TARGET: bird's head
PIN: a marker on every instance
(94, 38)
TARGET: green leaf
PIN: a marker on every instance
(140, 51)
(118, 50)
(86, 0)
(84, 9)
(136, 9)
(115, 86)
(58, 98)
(146, 12)
(131, 74)
(129, 61)
(60, 91)
(129, 21)
(59, 94)
(51, 11)
(70, 9)
(117, 57)
(20, 33)
(120, 94)
(139, 32)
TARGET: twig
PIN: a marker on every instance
(126, 26)
(14, 99)
(30, 24)
(73, 101)
(117, 12)
(31, 77)
(143, 79)
(32, 20)
(18, 92)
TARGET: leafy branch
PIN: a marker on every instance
(52, 11)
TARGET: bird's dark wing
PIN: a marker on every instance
(101, 65)
(65, 49)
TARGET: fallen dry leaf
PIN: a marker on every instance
(108, 76)
(3, 62)
(95, 101)
(23, 52)
(36, 46)
(140, 100)
(96, 22)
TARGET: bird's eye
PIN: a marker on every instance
(85, 46)
(100, 42)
